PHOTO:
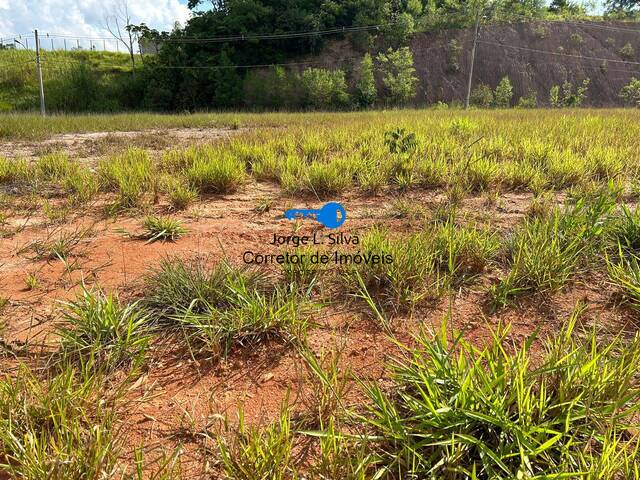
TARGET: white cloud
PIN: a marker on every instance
(83, 18)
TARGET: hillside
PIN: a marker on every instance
(441, 59)
(530, 69)
(18, 81)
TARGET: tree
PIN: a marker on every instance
(325, 88)
(630, 93)
(622, 8)
(564, 96)
(399, 32)
(504, 93)
(366, 92)
(565, 7)
(398, 75)
(119, 25)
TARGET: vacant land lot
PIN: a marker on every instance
(480, 320)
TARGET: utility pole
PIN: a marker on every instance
(473, 59)
(39, 68)
(65, 44)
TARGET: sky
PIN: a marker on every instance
(82, 18)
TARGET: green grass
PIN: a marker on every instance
(221, 307)
(162, 229)
(18, 83)
(57, 428)
(346, 153)
(423, 266)
(215, 171)
(129, 175)
(252, 453)
(458, 412)
(101, 333)
(545, 252)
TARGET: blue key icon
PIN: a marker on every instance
(331, 215)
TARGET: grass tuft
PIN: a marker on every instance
(101, 332)
(458, 412)
(162, 229)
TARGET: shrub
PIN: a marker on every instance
(482, 96)
(398, 75)
(325, 88)
(630, 93)
(530, 101)
(565, 96)
(540, 31)
(453, 56)
(504, 93)
(627, 51)
(554, 97)
(577, 39)
(366, 92)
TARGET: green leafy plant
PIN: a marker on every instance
(504, 93)
(398, 75)
(400, 140)
(366, 91)
(630, 93)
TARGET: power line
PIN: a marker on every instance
(243, 37)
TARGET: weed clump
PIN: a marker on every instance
(545, 252)
(221, 307)
(102, 333)
(161, 228)
(55, 429)
(491, 413)
(130, 175)
(215, 171)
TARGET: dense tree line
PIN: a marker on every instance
(191, 72)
